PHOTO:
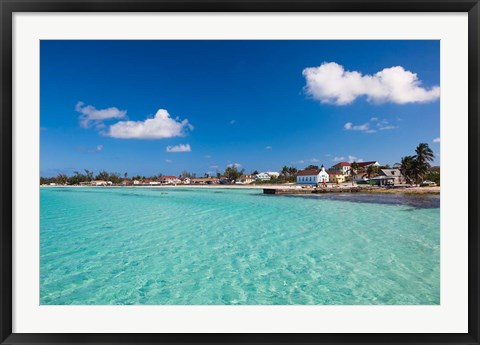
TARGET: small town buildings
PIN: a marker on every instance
(342, 167)
(263, 177)
(312, 176)
(336, 176)
(100, 183)
(184, 180)
(273, 174)
(395, 173)
(247, 178)
(365, 165)
(168, 179)
(382, 181)
(204, 180)
(266, 176)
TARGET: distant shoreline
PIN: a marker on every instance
(363, 189)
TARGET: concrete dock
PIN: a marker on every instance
(280, 191)
(286, 191)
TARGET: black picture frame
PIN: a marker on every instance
(8, 7)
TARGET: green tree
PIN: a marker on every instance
(424, 155)
(232, 173)
(114, 178)
(408, 168)
(185, 173)
(284, 172)
(310, 167)
(88, 175)
(77, 178)
(61, 179)
(353, 171)
(372, 171)
(102, 175)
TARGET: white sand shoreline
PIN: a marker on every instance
(365, 189)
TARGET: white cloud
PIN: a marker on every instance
(268, 148)
(436, 140)
(93, 116)
(234, 165)
(208, 156)
(381, 125)
(213, 167)
(97, 149)
(168, 160)
(331, 83)
(363, 128)
(313, 160)
(352, 159)
(338, 159)
(161, 126)
(383, 128)
(179, 148)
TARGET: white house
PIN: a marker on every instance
(395, 173)
(263, 177)
(312, 176)
(342, 167)
(273, 174)
(365, 165)
(168, 179)
(101, 183)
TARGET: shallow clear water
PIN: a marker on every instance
(236, 246)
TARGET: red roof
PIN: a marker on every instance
(364, 164)
(342, 164)
(331, 172)
(169, 177)
(308, 172)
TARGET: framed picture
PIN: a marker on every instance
(254, 172)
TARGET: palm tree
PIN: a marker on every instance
(407, 168)
(89, 174)
(61, 179)
(353, 171)
(371, 170)
(284, 173)
(102, 175)
(424, 155)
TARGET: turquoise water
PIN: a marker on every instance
(236, 246)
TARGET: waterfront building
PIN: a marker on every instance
(312, 176)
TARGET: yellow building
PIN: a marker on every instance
(336, 176)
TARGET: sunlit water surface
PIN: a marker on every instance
(191, 246)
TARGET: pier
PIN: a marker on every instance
(287, 191)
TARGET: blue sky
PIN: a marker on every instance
(149, 107)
